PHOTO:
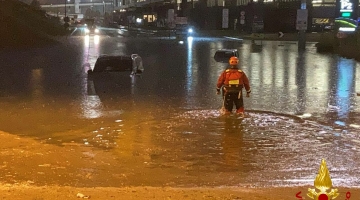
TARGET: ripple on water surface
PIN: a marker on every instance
(261, 147)
(201, 147)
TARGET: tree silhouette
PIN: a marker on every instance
(88, 13)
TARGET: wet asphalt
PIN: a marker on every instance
(303, 107)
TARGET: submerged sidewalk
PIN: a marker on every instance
(310, 37)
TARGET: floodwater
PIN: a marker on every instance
(303, 107)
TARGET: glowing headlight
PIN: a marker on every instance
(190, 30)
(96, 30)
(87, 30)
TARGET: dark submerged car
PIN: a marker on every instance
(223, 55)
(114, 76)
(118, 63)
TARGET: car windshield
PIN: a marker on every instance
(224, 54)
(113, 64)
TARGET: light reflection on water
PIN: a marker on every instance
(169, 117)
(345, 87)
(252, 151)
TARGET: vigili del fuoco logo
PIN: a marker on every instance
(323, 186)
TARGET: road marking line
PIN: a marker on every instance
(233, 38)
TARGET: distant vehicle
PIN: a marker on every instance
(223, 55)
(185, 29)
(90, 27)
(91, 30)
(118, 63)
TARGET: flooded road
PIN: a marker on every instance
(303, 107)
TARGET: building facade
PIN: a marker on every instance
(277, 15)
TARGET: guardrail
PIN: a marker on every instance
(139, 4)
(72, 5)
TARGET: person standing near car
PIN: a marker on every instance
(232, 81)
(138, 67)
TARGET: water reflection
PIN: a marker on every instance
(90, 102)
(341, 98)
(190, 71)
(96, 40)
(197, 141)
(36, 83)
(91, 51)
(346, 82)
(232, 143)
(282, 80)
(286, 81)
(301, 84)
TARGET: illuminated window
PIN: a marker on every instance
(149, 18)
(242, 2)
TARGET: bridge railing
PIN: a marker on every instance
(72, 5)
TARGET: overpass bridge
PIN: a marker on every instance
(80, 7)
(73, 4)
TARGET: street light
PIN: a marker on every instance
(65, 6)
(104, 8)
(66, 19)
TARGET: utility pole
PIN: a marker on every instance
(104, 8)
(65, 7)
(301, 25)
(66, 19)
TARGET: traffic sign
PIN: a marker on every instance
(281, 34)
(242, 17)
(242, 13)
(301, 19)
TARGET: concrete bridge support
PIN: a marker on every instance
(77, 6)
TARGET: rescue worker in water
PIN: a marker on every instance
(232, 81)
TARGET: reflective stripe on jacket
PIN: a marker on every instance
(233, 78)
